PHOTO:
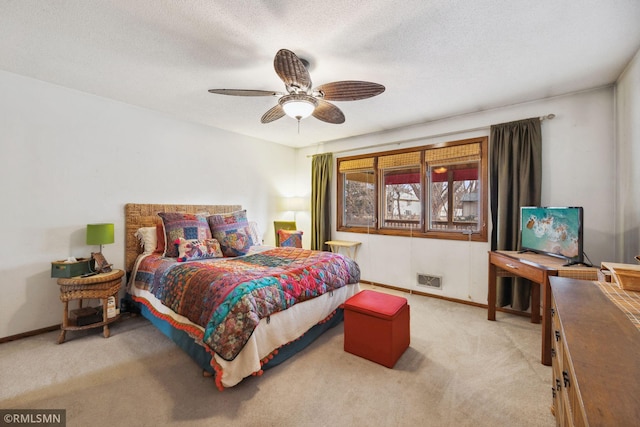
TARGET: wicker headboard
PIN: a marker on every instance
(144, 215)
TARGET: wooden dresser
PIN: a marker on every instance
(595, 357)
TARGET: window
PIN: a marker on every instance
(359, 184)
(437, 191)
(401, 205)
(454, 185)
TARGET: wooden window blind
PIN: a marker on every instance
(454, 154)
(356, 164)
(399, 160)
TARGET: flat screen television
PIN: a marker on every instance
(555, 231)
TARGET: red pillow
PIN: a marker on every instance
(160, 238)
(290, 238)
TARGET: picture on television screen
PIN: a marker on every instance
(553, 231)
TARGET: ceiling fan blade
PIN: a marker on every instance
(274, 113)
(328, 112)
(349, 90)
(245, 92)
(292, 70)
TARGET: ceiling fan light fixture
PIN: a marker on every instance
(298, 106)
(301, 100)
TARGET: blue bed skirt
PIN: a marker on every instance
(203, 358)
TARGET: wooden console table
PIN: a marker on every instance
(537, 268)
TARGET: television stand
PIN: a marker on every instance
(571, 263)
(524, 251)
(537, 268)
(568, 264)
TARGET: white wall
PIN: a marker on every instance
(628, 162)
(578, 160)
(69, 159)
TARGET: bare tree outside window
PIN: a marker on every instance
(456, 209)
(359, 200)
(402, 201)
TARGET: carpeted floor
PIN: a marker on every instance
(460, 370)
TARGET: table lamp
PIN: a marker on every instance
(100, 234)
(294, 204)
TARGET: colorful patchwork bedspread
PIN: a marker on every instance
(229, 296)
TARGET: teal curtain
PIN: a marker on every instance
(515, 154)
(321, 171)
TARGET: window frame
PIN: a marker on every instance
(423, 230)
(343, 212)
(403, 161)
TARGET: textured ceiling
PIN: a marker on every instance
(435, 58)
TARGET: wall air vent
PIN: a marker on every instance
(430, 281)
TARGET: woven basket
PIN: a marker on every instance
(98, 286)
(71, 292)
(627, 276)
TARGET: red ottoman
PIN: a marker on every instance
(376, 326)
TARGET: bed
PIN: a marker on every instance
(236, 316)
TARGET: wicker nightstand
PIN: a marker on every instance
(100, 286)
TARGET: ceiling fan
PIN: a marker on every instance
(300, 100)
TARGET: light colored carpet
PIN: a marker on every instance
(461, 370)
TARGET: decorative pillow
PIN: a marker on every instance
(147, 238)
(190, 250)
(290, 238)
(232, 231)
(160, 238)
(187, 226)
(255, 233)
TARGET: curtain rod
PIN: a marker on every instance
(404, 141)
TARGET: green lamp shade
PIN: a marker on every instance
(99, 234)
